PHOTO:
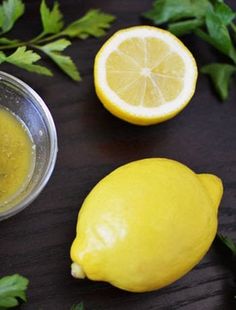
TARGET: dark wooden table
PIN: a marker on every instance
(36, 242)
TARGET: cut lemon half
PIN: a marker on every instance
(144, 75)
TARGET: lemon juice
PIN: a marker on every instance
(17, 156)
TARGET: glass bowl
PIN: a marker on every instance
(24, 102)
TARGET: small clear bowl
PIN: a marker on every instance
(24, 102)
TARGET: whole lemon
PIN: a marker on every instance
(146, 224)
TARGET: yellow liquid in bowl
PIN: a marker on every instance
(17, 157)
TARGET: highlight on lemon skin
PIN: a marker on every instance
(140, 219)
(144, 75)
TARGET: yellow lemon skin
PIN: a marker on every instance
(146, 224)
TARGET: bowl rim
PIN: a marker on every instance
(53, 145)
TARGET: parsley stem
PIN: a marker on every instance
(35, 47)
(11, 46)
(37, 40)
(233, 26)
(52, 37)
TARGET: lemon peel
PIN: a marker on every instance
(146, 224)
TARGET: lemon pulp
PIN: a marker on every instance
(145, 72)
(144, 75)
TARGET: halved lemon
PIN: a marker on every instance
(144, 75)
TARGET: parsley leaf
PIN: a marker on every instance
(225, 13)
(174, 10)
(65, 63)
(1, 16)
(79, 306)
(93, 23)
(185, 27)
(2, 57)
(230, 244)
(12, 289)
(220, 75)
(167, 10)
(58, 45)
(25, 59)
(10, 11)
(52, 20)
(219, 34)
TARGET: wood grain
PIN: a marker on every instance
(92, 142)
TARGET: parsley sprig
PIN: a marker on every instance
(52, 41)
(12, 291)
(79, 306)
(229, 243)
(230, 246)
(212, 21)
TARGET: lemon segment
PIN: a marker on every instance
(145, 225)
(144, 75)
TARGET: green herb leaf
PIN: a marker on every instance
(25, 59)
(10, 11)
(12, 289)
(168, 10)
(224, 12)
(56, 46)
(1, 16)
(2, 57)
(200, 7)
(52, 20)
(204, 36)
(220, 75)
(185, 27)
(93, 23)
(174, 10)
(220, 35)
(65, 63)
(79, 306)
(230, 244)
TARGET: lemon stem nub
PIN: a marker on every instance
(77, 271)
(213, 186)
